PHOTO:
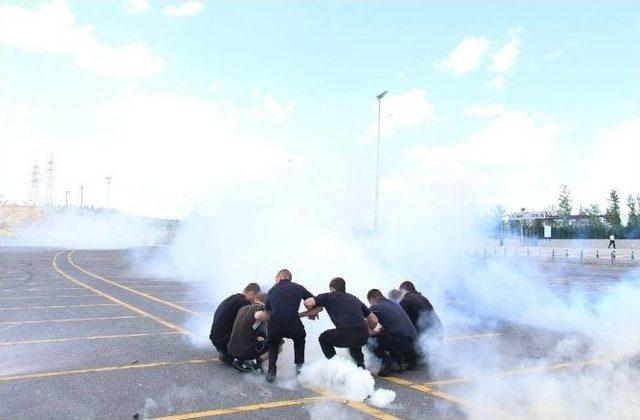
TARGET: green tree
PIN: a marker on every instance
(598, 228)
(633, 223)
(564, 202)
(613, 212)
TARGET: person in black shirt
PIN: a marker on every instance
(420, 311)
(351, 318)
(393, 344)
(281, 310)
(224, 317)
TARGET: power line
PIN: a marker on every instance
(35, 180)
(50, 181)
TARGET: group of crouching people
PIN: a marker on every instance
(249, 327)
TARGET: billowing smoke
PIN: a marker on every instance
(319, 230)
(87, 229)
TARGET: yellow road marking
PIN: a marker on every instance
(45, 321)
(245, 408)
(57, 306)
(425, 389)
(356, 405)
(522, 371)
(116, 300)
(470, 337)
(98, 369)
(95, 337)
(44, 297)
(164, 302)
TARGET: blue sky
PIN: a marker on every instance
(299, 79)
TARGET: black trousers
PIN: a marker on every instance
(353, 339)
(277, 331)
(612, 243)
(391, 348)
(220, 343)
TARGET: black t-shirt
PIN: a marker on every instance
(345, 310)
(420, 311)
(283, 301)
(225, 315)
(393, 319)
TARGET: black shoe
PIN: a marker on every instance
(241, 366)
(254, 367)
(298, 368)
(226, 358)
(271, 376)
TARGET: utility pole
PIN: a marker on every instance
(375, 210)
(66, 198)
(109, 180)
(81, 196)
(35, 179)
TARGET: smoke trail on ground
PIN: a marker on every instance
(251, 232)
(88, 229)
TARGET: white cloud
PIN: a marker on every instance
(135, 7)
(614, 158)
(52, 28)
(490, 110)
(404, 110)
(496, 83)
(267, 107)
(466, 57)
(505, 140)
(506, 161)
(184, 8)
(505, 57)
(164, 150)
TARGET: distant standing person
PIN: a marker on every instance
(420, 310)
(283, 302)
(224, 317)
(351, 318)
(612, 241)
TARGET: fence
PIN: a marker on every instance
(627, 257)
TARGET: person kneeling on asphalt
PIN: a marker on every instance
(283, 302)
(351, 318)
(225, 316)
(248, 342)
(420, 311)
(394, 342)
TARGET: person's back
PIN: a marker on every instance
(284, 301)
(393, 318)
(224, 317)
(242, 344)
(345, 310)
(421, 312)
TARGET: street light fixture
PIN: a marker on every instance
(375, 211)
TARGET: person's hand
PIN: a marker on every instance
(313, 317)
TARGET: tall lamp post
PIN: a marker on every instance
(375, 210)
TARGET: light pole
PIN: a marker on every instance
(81, 196)
(375, 210)
(66, 198)
(109, 180)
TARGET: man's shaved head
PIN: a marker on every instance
(284, 274)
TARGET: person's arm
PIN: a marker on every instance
(311, 313)
(310, 303)
(372, 321)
